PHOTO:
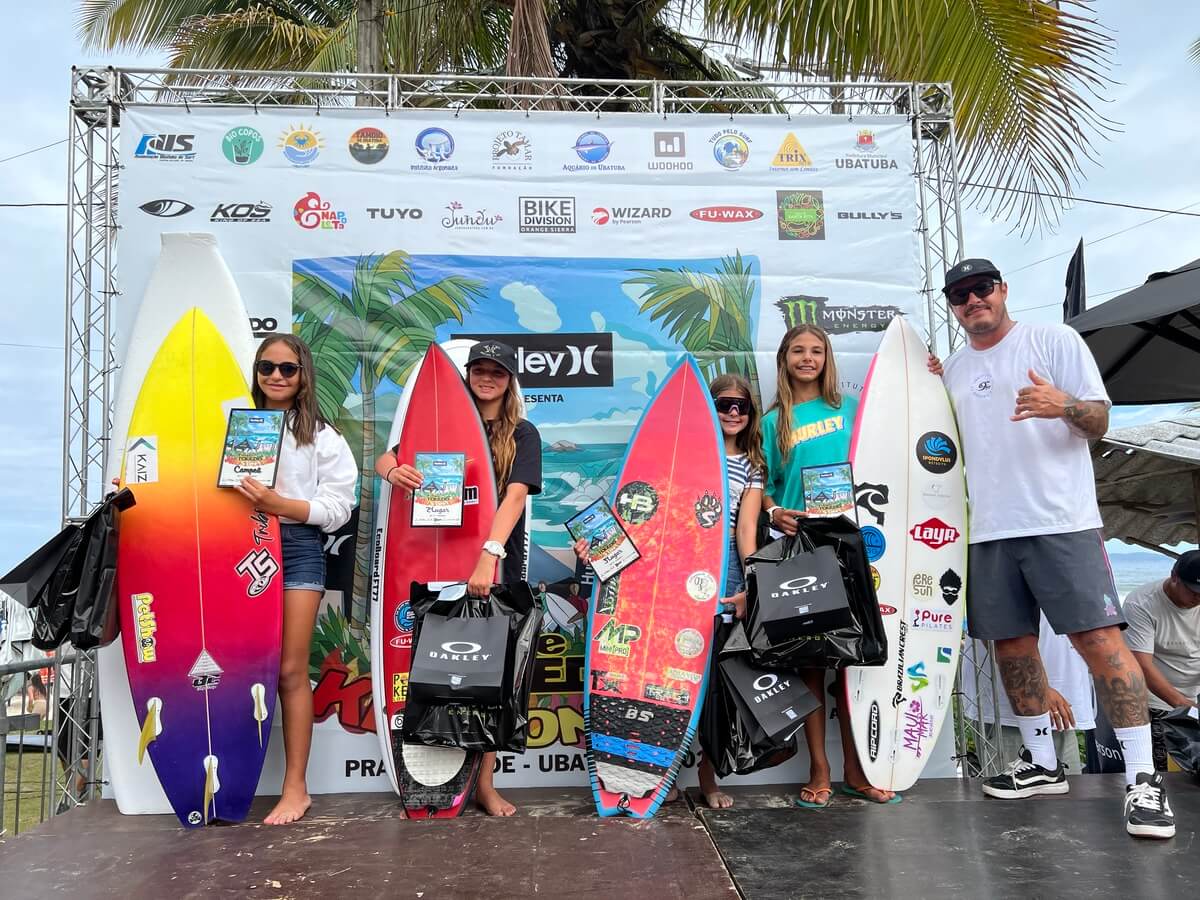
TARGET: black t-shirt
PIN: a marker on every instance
(527, 470)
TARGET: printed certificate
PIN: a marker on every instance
(252, 441)
(829, 490)
(609, 548)
(438, 502)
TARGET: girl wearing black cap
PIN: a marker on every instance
(517, 460)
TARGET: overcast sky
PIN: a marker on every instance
(1152, 161)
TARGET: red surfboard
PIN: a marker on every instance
(436, 415)
(652, 624)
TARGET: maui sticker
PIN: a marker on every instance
(918, 725)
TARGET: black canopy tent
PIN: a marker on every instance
(1147, 341)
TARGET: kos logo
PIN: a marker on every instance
(241, 212)
(934, 533)
(394, 212)
(928, 619)
(563, 359)
(169, 147)
(873, 732)
(726, 214)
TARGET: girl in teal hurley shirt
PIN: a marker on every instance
(810, 424)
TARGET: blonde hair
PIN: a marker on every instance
(749, 439)
(783, 384)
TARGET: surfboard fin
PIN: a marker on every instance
(151, 726)
(259, 693)
(211, 785)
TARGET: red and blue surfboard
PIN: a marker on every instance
(652, 624)
(199, 584)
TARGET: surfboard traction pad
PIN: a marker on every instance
(625, 755)
(432, 779)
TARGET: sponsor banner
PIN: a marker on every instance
(601, 249)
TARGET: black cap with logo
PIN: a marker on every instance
(494, 351)
(969, 268)
(1187, 570)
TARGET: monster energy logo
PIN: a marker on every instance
(800, 309)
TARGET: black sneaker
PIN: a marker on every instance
(1024, 779)
(1147, 812)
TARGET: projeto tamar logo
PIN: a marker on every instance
(243, 145)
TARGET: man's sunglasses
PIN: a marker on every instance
(266, 368)
(980, 289)
(732, 406)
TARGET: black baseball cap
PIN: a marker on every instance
(494, 351)
(969, 268)
(1187, 570)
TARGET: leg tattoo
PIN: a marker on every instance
(1124, 699)
(1025, 681)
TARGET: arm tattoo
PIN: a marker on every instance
(1124, 699)
(1025, 681)
(1088, 418)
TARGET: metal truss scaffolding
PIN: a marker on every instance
(98, 95)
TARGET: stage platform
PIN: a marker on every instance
(944, 840)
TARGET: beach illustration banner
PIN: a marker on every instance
(601, 247)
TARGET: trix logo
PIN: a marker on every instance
(934, 533)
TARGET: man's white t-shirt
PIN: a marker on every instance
(1033, 476)
(1172, 635)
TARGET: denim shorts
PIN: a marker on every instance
(303, 557)
(735, 578)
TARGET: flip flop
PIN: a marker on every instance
(815, 792)
(861, 794)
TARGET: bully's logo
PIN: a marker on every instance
(708, 510)
(870, 497)
(260, 566)
(951, 585)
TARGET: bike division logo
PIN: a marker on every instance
(301, 145)
(803, 309)
(731, 149)
(243, 145)
(312, 213)
(800, 215)
(512, 151)
(792, 157)
(368, 145)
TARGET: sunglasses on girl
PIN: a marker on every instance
(732, 406)
(980, 289)
(266, 368)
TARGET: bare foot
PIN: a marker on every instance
(291, 808)
(489, 800)
(672, 795)
(717, 799)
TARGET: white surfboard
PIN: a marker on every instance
(912, 508)
(190, 273)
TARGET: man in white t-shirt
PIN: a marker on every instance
(1028, 399)
(1164, 635)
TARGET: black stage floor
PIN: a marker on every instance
(944, 840)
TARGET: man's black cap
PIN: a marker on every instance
(500, 354)
(1187, 570)
(969, 268)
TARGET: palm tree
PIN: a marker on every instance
(1025, 74)
(377, 331)
(709, 314)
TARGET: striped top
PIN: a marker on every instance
(741, 478)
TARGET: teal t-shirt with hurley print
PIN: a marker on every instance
(820, 436)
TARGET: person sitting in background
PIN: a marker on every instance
(1164, 635)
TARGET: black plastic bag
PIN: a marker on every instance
(504, 726)
(732, 740)
(29, 581)
(94, 622)
(1181, 737)
(861, 643)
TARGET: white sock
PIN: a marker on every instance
(1035, 732)
(1138, 751)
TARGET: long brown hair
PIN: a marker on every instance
(501, 432)
(749, 439)
(783, 384)
(304, 417)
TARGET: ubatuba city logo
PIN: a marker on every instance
(726, 214)
(803, 309)
(867, 154)
(934, 533)
(562, 359)
(311, 212)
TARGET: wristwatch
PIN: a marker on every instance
(771, 514)
(495, 548)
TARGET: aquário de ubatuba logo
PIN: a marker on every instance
(637, 502)
(936, 452)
